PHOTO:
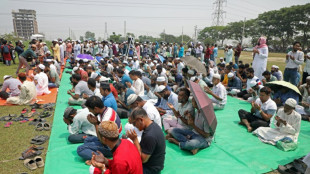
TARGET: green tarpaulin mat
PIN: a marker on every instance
(234, 150)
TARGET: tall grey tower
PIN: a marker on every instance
(218, 14)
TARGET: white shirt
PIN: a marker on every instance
(42, 86)
(180, 67)
(199, 49)
(138, 87)
(136, 65)
(248, 81)
(81, 124)
(307, 67)
(110, 68)
(269, 107)
(152, 113)
(220, 91)
(299, 59)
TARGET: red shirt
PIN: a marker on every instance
(84, 75)
(113, 90)
(208, 53)
(6, 56)
(126, 160)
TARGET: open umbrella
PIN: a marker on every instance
(85, 56)
(275, 86)
(161, 58)
(204, 104)
(194, 63)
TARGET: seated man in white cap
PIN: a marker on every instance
(41, 81)
(254, 91)
(234, 84)
(286, 126)
(276, 72)
(12, 84)
(218, 92)
(81, 72)
(200, 82)
(137, 84)
(261, 112)
(222, 61)
(166, 97)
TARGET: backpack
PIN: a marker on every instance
(6, 49)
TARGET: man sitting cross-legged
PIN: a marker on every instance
(261, 112)
(192, 139)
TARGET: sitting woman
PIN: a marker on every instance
(287, 125)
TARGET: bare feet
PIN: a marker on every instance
(250, 129)
(174, 141)
(241, 123)
(88, 162)
(194, 151)
(168, 136)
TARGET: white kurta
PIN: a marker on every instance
(138, 87)
(28, 93)
(290, 130)
(42, 86)
(260, 62)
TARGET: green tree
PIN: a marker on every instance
(114, 37)
(89, 35)
(81, 38)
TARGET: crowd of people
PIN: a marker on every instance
(130, 81)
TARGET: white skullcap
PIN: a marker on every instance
(191, 72)
(131, 99)
(177, 58)
(55, 40)
(221, 58)
(230, 75)
(160, 88)
(308, 78)
(199, 42)
(291, 102)
(6, 76)
(273, 66)
(160, 79)
(94, 75)
(135, 57)
(230, 45)
(75, 68)
(152, 64)
(193, 78)
(41, 66)
(77, 59)
(217, 76)
(140, 70)
(129, 58)
(125, 62)
(155, 61)
(85, 60)
(253, 83)
(48, 52)
(169, 64)
(103, 79)
(277, 67)
(49, 60)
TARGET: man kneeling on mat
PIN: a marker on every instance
(192, 139)
(78, 125)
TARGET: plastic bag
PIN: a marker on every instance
(286, 144)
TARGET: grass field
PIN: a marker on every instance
(15, 139)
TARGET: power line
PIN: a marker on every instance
(218, 14)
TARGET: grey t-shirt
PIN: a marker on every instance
(53, 74)
(187, 107)
(82, 88)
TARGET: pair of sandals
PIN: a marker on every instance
(40, 139)
(296, 167)
(43, 126)
(35, 163)
(31, 152)
(8, 117)
(37, 121)
(45, 114)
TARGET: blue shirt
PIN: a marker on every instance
(235, 83)
(284, 96)
(109, 101)
(173, 99)
(125, 79)
(215, 51)
(181, 52)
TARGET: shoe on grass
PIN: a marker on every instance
(46, 126)
(39, 161)
(39, 126)
(30, 164)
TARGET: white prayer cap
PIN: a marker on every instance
(291, 102)
(273, 66)
(85, 60)
(191, 72)
(230, 45)
(41, 66)
(152, 64)
(103, 79)
(135, 57)
(230, 75)
(94, 75)
(308, 78)
(160, 79)
(149, 59)
(131, 99)
(199, 42)
(125, 62)
(79, 41)
(221, 58)
(75, 68)
(49, 60)
(48, 52)
(253, 83)
(129, 58)
(43, 43)
(60, 41)
(155, 61)
(169, 64)
(193, 78)
(160, 88)
(276, 67)
(77, 59)
(177, 58)
(6, 76)
(140, 70)
(55, 40)
(217, 76)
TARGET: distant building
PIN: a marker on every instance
(25, 23)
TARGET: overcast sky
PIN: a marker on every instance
(142, 17)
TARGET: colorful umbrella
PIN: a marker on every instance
(85, 56)
(204, 104)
